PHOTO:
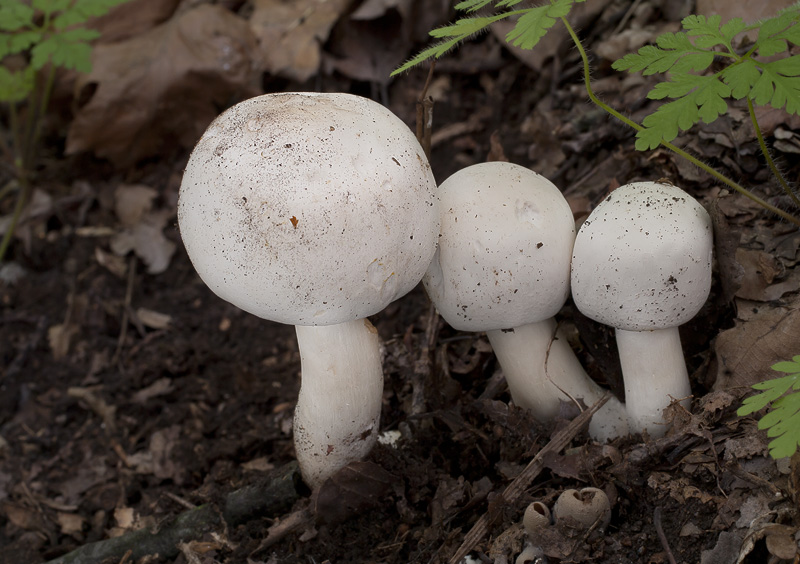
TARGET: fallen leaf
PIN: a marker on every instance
(290, 34)
(745, 353)
(132, 18)
(116, 265)
(148, 241)
(369, 44)
(141, 102)
(749, 11)
(21, 516)
(70, 523)
(160, 387)
(261, 464)
(132, 202)
(60, 337)
(557, 38)
(153, 319)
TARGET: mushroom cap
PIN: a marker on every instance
(642, 259)
(504, 249)
(309, 208)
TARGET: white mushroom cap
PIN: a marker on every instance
(642, 260)
(504, 250)
(309, 208)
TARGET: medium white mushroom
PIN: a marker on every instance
(503, 266)
(315, 210)
(642, 264)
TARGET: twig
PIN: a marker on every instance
(126, 308)
(661, 536)
(517, 487)
(422, 366)
(276, 494)
(425, 114)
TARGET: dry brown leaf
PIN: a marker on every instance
(147, 240)
(158, 388)
(371, 43)
(555, 40)
(132, 202)
(290, 34)
(60, 338)
(70, 523)
(746, 352)
(749, 11)
(116, 265)
(132, 18)
(162, 87)
(153, 319)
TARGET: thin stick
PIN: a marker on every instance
(661, 536)
(521, 483)
(425, 114)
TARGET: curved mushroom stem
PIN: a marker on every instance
(655, 374)
(338, 410)
(522, 351)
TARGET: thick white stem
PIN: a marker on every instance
(522, 352)
(338, 410)
(654, 371)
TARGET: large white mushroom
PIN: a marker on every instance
(315, 210)
(503, 266)
(642, 264)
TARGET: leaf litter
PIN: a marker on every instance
(109, 429)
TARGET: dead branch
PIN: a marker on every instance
(274, 495)
(526, 477)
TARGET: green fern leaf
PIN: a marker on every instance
(433, 52)
(779, 85)
(783, 420)
(472, 5)
(741, 77)
(15, 86)
(465, 27)
(531, 27)
(15, 15)
(697, 98)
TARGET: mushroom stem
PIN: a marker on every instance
(338, 410)
(522, 351)
(655, 373)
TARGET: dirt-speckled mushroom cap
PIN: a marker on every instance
(309, 209)
(642, 259)
(504, 249)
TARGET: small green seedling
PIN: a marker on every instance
(783, 420)
(44, 35)
(698, 85)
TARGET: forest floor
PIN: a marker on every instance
(130, 393)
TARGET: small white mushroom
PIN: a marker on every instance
(582, 509)
(316, 210)
(642, 264)
(503, 266)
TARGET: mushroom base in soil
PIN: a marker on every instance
(340, 361)
(654, 381)
(542, 370)
(318, 210)
(642, 264)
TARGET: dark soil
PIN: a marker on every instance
(133, 423)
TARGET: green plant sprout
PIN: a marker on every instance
(45, 35)
(783, 421)
(695, 95)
